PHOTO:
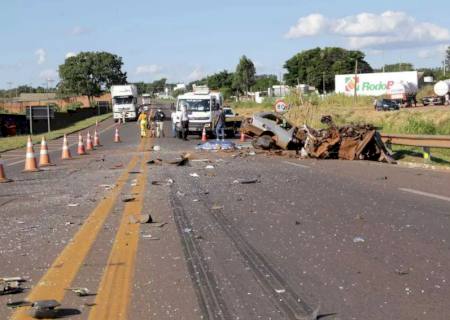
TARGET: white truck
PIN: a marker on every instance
(124, 102)
(201, 105)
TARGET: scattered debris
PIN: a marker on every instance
(81, 292)
(194, 175)
(246, 181)
(117, 166)
(11, 285)
(157, 162)
(145, 218)
(184, 160)
(217, 207)
(168, 182)
(158, 224)
(73, 204)
(128, 199)
(358, 239)
(297, 223)
(156, 148)
(209, 167)
(150, 237)
(107, 186)
(187, 230)
(134, 172)
(18, 304)
(44, 309)
(280, 290)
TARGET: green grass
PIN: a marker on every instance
(10, 143)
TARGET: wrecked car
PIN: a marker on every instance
(271, 130)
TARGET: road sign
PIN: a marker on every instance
(281, 106)
(40, 112)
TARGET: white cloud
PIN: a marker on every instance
(389, 29)
(196, 74)
(70, 54)
(308, 26)
(77, 30)
(150, 69)
(48, 74)
(41, 55)
(433, 52)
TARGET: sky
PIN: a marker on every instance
(187, 40)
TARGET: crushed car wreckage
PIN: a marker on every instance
(351, 142)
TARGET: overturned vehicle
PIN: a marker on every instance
(352, 142)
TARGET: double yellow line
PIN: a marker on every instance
(114, 289)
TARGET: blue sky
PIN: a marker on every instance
(185, 40)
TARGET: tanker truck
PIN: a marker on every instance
(403, 92)
(441, 91)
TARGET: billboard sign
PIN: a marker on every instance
(373, 84)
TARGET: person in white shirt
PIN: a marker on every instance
(184, 121)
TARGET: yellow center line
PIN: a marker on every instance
(114, 291)
(65, 267)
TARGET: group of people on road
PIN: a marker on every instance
(219, 122)
(152, 121)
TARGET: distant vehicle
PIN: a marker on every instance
(387, 105)
(232, 122)
(124, 101)
(201, 105)
(433, 101)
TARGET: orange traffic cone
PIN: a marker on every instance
(44, 157)
(204, 138)
(242, 137)
(3, 178)
(96, 139)
(30, 159)
(89, 144)
(65, 150)
(81, 151)
(117, 136)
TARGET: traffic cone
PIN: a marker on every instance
(89, 144)
(204, 138)
(117, 136)
(242, 137)
(81, 151)
(3, 178)
(96, 139)
(44, 157)
(65, 150)
(30, 159)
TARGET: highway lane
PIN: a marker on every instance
(348, 240)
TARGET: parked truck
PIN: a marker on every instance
(124, 102)
(441, 91)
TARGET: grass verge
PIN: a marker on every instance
(10, 143)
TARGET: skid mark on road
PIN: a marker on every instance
(64, 269)
(114, 291)
(425, 194)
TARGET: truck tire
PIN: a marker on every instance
(264, 142)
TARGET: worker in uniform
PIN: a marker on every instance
(184, 121)
(159, 120)
(142, 120)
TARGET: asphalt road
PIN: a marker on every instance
(345, 240)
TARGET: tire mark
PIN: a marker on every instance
(208, 293)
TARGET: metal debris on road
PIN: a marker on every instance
(246, 181)
(194, 175)
(358, 239)
(209, 167)
(217, 207)
(157, 162)
(145, 218)
(81, 292)
(11, 285)
(149, 237)
(44, 309)
(18, 304)
(73, 204)
(156, 148)
(128, 199)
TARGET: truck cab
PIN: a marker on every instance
(124, 102)
(201, 105)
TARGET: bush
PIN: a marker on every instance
(414, 125)
(74, 106)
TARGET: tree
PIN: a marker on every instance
(244, 77)
(317, 67)
(222, 79)
(263, 82)
(447, 58)
(401, 66)
(90, 73)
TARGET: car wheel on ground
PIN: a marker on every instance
(264, 142)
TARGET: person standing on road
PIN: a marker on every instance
(220, 124)
(142, 121)
(184, 121)
(174, 124)
(159, 120)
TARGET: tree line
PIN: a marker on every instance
(92, 73)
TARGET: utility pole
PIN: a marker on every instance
(9, 83)
(323, 83)
(356, 78)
